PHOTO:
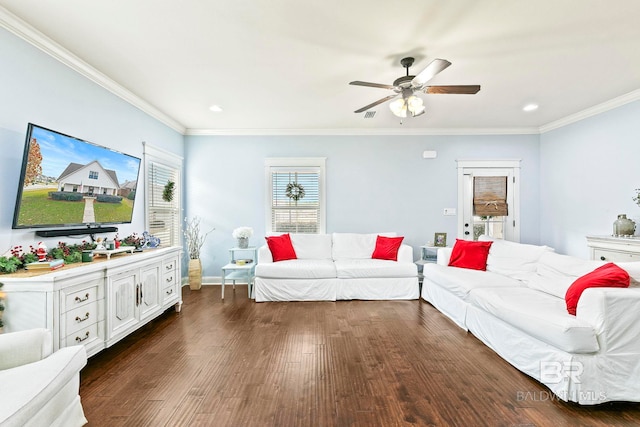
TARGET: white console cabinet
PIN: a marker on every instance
(614, 249)
(97, 303)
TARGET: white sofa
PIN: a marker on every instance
(38, 388)
(336, 266)
(517, 308)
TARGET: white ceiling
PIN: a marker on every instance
(284, 66)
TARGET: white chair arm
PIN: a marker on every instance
(264, 254)
(405, 253)
(20, 348)
(444, 254)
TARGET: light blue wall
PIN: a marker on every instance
(588, 173)
(374, 183)
(37, 88)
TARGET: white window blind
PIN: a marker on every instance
(295, 216)
(163, 217)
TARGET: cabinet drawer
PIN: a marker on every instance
(170, 264)
(83, 336)
(169, 279)
(170, 292)
(614, 256)
(81, 317)
(81, 297)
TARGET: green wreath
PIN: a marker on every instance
(294, 191)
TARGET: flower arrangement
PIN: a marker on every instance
(133, 240)
(194, 238)
(242, 233)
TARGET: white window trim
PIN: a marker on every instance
(281, 162)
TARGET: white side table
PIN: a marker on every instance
(234, 271)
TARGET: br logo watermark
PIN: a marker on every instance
(557, 372)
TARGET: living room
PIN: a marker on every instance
(577, 166)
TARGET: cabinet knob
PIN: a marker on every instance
(602, 258)
(466, 233)
(466, 224)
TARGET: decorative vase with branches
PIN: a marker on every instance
(194, 239)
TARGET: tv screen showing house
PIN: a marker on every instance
(66, 181)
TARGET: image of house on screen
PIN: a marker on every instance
(90, 179)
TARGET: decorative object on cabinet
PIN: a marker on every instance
(194, 239)
(242, 234)
(440, 239)
(623, 226)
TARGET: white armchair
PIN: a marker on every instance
(37, 387)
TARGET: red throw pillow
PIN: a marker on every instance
(606, 276)
(387, 248)
(470, 254)
(281, 247)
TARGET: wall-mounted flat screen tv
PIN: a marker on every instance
(66, 181)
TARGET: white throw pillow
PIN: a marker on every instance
(516, 260)
(355, 245)
(311, 246)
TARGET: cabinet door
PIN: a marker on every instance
(150, 290)
(122, 303)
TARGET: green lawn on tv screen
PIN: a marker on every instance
(38, 208)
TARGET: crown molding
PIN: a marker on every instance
(362, 132)
(34, 37)
(592, 111)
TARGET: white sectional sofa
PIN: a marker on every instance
(37, 387)
(517, 307)
(336, 266)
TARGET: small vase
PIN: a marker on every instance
(243, 242)
(624, 226)
(195, 274)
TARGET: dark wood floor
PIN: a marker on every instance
(348, 363)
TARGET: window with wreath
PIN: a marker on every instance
(163, 214)
(295, 189)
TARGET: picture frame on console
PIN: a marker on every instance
(440, 239)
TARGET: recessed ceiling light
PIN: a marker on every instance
(215, 108)
(530, 107)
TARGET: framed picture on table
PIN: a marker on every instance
(440, 239)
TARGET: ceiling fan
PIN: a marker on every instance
(407, 86)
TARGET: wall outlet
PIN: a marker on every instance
(449, 211)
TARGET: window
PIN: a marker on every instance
(295, 195)
(163, 216)
(93, 175)
(488, 199)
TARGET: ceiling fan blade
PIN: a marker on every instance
(373, 104)
(456, 89)
(379, 85)
(428, 73)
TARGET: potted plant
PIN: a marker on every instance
(194, 240)
(242, 234)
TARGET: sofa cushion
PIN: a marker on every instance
(460, 281)
(369, 268)
(311, 246)
(538, 314)
(606, 276)
(281, 247)
(517, 260)
(355, 245)
(387, 248)
(470, 254)
(297, 269)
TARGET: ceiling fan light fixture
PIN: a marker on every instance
(399, 107)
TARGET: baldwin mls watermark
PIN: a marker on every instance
(558, 373)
